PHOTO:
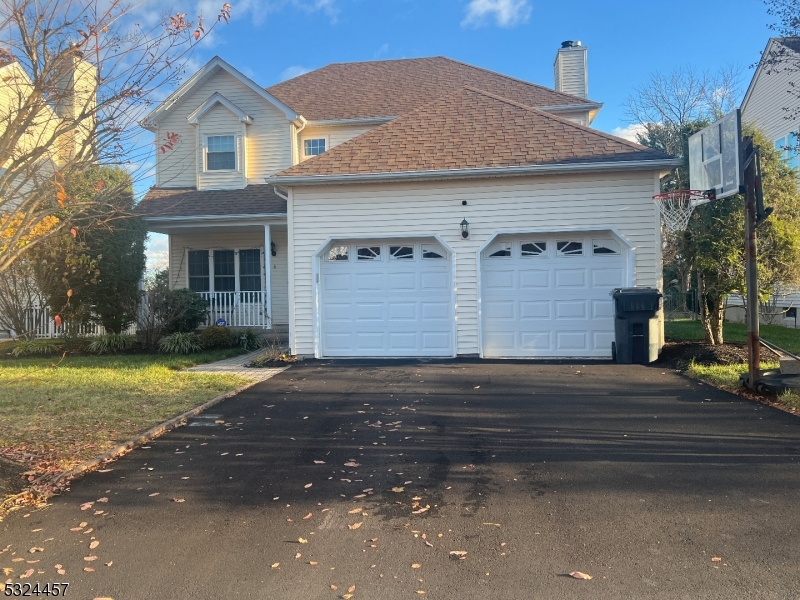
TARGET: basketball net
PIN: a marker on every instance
(677, 207)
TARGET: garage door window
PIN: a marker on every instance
(500, 250)
(569, 248)
(534, 249)
(338, 253)
(369, 253)
(401, 252)
(432, 251)
(605, 247)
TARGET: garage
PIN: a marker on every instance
(548, 296)
(386, 299)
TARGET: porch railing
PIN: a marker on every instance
(40, 321)
(238, 309)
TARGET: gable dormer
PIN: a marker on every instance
(221, 142)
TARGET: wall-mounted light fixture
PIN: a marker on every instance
(272, 248)
(464, 229)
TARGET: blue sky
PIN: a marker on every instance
(271, 40)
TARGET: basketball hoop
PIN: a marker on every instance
(677, 207)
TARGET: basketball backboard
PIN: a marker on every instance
(714, 157)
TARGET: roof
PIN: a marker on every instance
(189, 202)
(391, 88)
(471, 129)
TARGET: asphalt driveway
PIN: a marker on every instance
(341, 474)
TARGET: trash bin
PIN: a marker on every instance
(636, 327)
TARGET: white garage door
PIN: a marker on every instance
(548, 295)
(382, 299)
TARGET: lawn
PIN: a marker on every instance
(727, 376)
(67, 411)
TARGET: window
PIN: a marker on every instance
(503, 249)
(338, 253)
(534, 248)
(250, 270)
(605, 247)
(432, 251)
(221, 153)
(224, 271)
(198, 270)
(368, 253)
(787, 149)
(402, 252)
(569, 248)
(314, 147)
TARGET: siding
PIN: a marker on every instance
(220, 121)
(335, 135)
(268, 147)
(180, 243)
(570, 71)
(770, 95)
(621, 201)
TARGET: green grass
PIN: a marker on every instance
(69, 410)
(727, 376)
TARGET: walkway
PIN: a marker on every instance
(236, 366)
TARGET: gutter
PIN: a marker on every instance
(174, 219)
(346, 122)
(588, 106)
(483, 172)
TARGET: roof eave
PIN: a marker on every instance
(531, 170)
(348, 122)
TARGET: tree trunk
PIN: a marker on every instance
(717, 318)
(705, 316)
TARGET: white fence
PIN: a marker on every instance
(238, 309)
(39, 319)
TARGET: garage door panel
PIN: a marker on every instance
(611, 278)
(435, 281)
(570, 278)
(369, 311)
(432, 311)
(570, 309)
(336, 282)
(402, 281)
(536, 341)
(602, 340)
(602, 309)
(534, 279)
(369, 340)
(500, 310)
(338, 312)
(402, 341)
(572, 340)
(368, 282)
(499, 280)
(500, 342)
(536, 309)
(436, 340)
(403, 311)
(340, 341)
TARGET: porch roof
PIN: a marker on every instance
(160, 203)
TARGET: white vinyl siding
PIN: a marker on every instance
(268, 143)
(180, 244)
(570, 71)
(332, 135)
(220, 122)
(622, 201)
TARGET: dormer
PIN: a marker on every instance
(221, 134)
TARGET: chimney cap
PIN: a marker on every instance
(570, 44)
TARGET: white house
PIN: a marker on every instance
(419, 207)
(773, 105)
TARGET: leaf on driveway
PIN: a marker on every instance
(276, 565)
(89, 558)
(308, 485)
(319, 462)
(83, 524)
(94, 545)
(36, 549)
(419, 511)
(416, 566)
(154, 494)
(27, 574)
(75, 528)
(179, 500)
(579, 575)
(347, 596)
(351, 464)
(88, 569)
(61, 572)
(87, 505)
(102, 499)
(351, 589)
(302, 540)
(427, 543)
(459, 554)
(716, 559)
(313, 563)
(355, 510)
(308, 516)
(355, 525)
(398, 489)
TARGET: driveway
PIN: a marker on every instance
(369, 474)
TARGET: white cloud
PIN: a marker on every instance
(506, 13)
(157, 250)
(293, 71)
(629, 133)
(380, 51)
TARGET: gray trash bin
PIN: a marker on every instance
(636, 325)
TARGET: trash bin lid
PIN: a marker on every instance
(641, 299)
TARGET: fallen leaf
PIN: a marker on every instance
(420, 511)
(88, 569)
(98, 512)
(351, 464)
(94, 545)
(319, 462)
(89, 558)
(83, 524)
(579, 575)
(459, 554)
(302, 540)
(427, 543)
(420, 592)
(416, 566)
(105, 470)
(90, 530)
(308, 485)
(102, 499)
(347, 596)
(32, 562)
(75, 528)
(154, 494)
(35, 530)
(351, 589)
(354, 511)
(178, 500)
(312, 563)
(87, 505)
(109, 563)
(17, 559)
(398, 489)
(59, 566)
(7, 571)
(355, 525)
(716, 559)
(334, 587)
(35, 549)
(308, 516)
(276, 565)
(27, 573)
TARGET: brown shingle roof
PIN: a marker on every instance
(395, 87)
(189, 202)
(471, 129)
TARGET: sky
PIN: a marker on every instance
(627, 41)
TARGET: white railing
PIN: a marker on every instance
(238, 309)
(40, 320)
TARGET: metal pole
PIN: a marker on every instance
(753, 348)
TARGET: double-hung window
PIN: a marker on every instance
(221, 153)
(249, 270)
(198, 271)
(313, 147)
(224, 271)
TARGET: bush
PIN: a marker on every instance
(180, 343)
(217, 337)
(249, 339)
(111, 343)
(190, 310)
(27, 348)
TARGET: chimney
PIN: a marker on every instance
(571, 73)
(77, 97)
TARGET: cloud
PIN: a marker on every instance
(506, 13)
(380, 51)
(629, 133)
(293, 71)
(261, 9)
(157, 251)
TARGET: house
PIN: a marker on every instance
(773, 105)
(417, 207)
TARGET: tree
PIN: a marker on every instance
(77, 76)
(784, 57)
(19, 294)
(712, 247)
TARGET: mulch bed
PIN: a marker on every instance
(680, 354)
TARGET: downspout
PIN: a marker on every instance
(297, 138)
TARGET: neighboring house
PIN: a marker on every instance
(419, 207)
(772, 104)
